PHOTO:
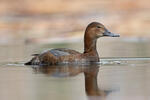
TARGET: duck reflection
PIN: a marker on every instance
(90, 74)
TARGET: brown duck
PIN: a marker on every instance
(61, 55)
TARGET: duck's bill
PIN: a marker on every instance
(109, 34)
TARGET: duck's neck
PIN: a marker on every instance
(90, 44)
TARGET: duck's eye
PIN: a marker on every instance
(98, 27)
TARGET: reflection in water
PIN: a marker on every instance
(90, 74)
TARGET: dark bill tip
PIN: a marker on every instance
(116, 35)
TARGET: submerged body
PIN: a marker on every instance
(61, 55)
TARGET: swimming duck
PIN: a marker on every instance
(93, 31)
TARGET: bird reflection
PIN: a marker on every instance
(90, 74)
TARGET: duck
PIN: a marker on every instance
(93, 31)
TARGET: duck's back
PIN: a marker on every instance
(54, 56)
(63, 52)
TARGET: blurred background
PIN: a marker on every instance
(47, 21)
(33, 26)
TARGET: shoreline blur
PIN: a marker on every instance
(37, 21)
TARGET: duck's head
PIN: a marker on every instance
(95, 30)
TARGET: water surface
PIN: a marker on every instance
(122, 74)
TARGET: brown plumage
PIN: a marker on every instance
(61, 55)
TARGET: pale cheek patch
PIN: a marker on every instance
(102, 31)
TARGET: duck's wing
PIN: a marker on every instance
(52, 56)
(63, 52)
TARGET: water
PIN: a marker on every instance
(122, 74)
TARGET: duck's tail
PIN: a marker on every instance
(33, 61)
(28, 63)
